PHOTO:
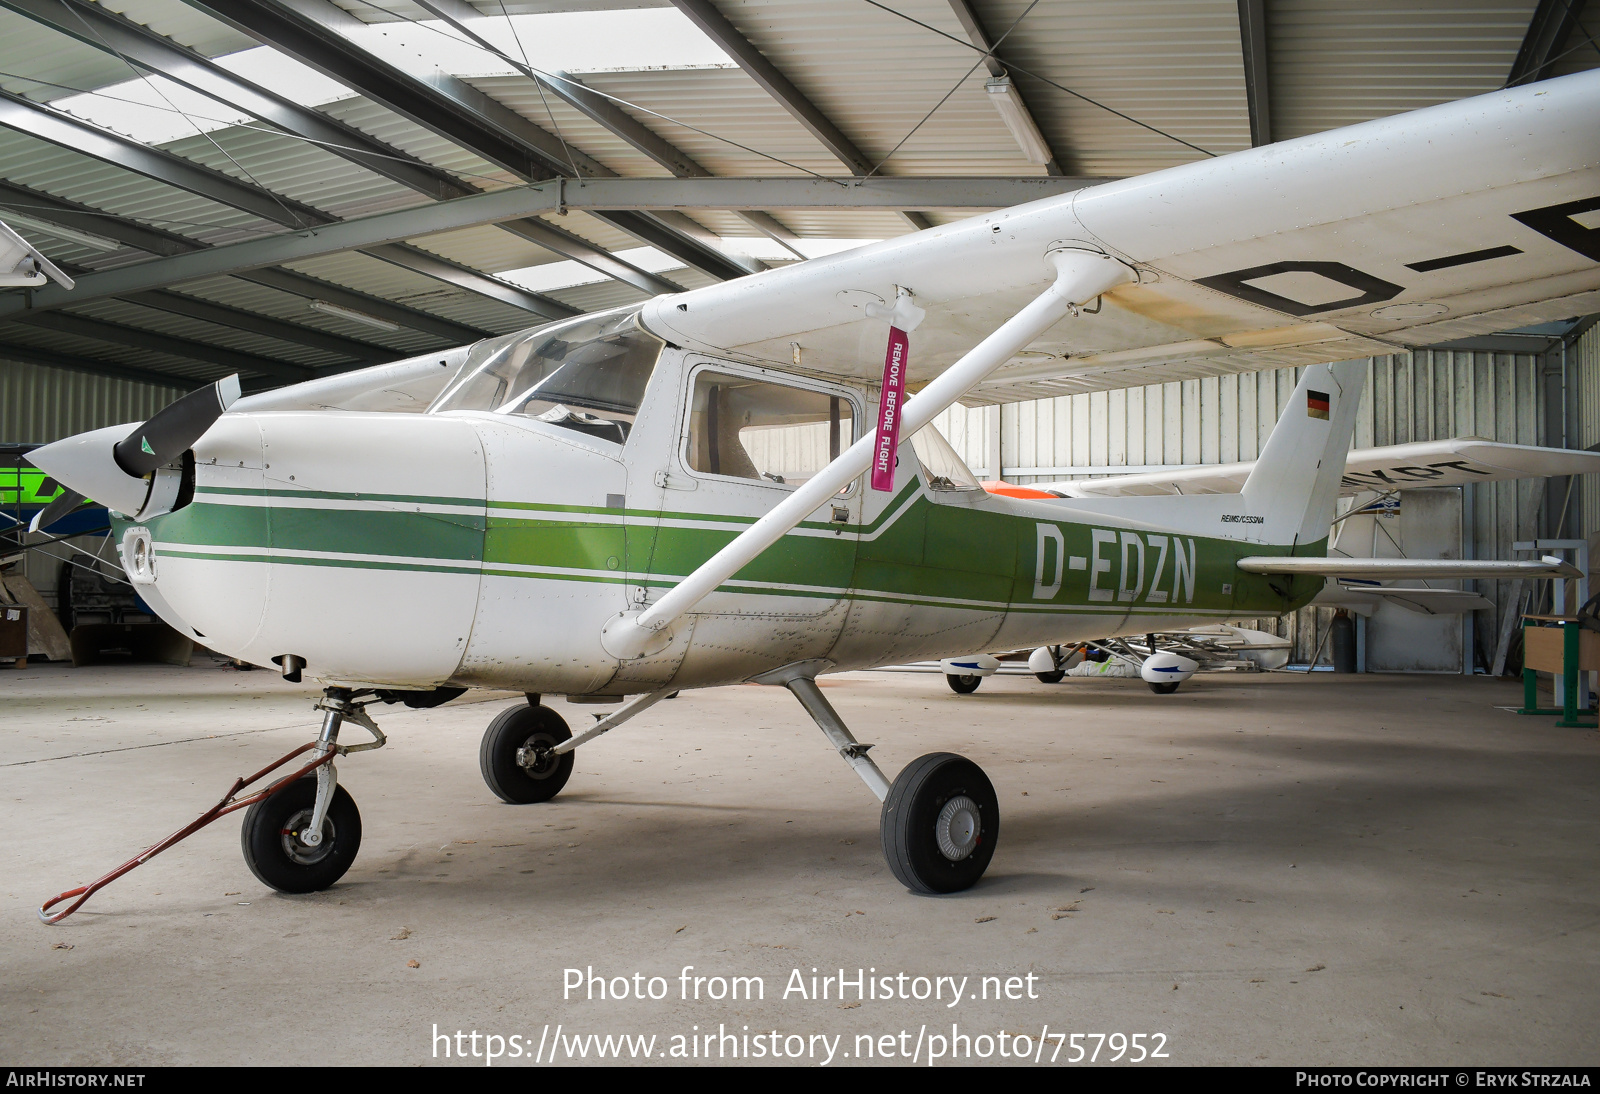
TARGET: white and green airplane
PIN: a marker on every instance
(703, 490)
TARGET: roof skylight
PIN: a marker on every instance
(152, 110)
(567, 274)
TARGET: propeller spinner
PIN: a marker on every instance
(133, 474)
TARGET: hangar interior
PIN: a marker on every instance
(135, 134)
(288, 190)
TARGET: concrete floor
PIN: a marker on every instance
(1279, 869)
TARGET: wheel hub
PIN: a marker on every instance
(536, 757)
(295, 845)
(957, 828)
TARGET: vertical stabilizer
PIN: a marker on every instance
(1290, 494)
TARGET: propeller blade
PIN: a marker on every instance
(175, 429)
(68, 501)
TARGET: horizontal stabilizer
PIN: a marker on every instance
(1383, 569)
(1453, 462)
(1365, 599)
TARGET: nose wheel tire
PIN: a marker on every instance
(274, 848)
(1164, 689)
(940, 823)
(516, 757)
(963, 685)
(1052, 677)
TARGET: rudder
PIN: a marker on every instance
(1291, 491)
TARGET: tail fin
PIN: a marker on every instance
(1295, 481)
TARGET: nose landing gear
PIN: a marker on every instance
(301, 833)
(303, 837)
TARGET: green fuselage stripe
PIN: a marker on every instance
(923, 552)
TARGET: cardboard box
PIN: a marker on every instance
(13, 630)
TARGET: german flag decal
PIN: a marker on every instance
(1317, 404)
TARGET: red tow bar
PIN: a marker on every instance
(227, 805)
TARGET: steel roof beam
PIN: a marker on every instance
(82, 326)
(155, 241)
(979, 37)
(100, 28)
(567, 245)
(86, 218)
(1257, 74)
(102, 144)
(237, 319)
(62, 129)
(502, 205)
(715, 25)
(311, 31)
(94, 26)
(1552, 24)
(32, 355)
(463, 17)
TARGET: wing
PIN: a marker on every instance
(1455, 220)
(1394, 467)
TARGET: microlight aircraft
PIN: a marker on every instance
(704, 490)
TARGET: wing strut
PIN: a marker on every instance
(1081, 275)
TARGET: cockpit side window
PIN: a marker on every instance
(749, 428)
(587, 374)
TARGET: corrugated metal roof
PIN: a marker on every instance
(1339, 62)
(296, 169)
(248, 296)
(183, 23)
(1173, 64)
(64, 173)
(32, 53)
(378, 278)
(181, 326)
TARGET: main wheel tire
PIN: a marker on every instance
(1165, 689)
(940, 823)
(963, 685)
(515, 755)
(1052, 677)
(272, 847)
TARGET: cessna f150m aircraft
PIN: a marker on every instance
(677, 495)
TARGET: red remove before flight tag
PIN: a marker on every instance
(889, 406)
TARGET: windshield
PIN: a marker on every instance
(586, 374)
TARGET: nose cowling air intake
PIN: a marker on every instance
(139, 474)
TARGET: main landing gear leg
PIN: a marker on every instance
(526, 754)
(940, 816)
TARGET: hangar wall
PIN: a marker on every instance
(40, 404)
